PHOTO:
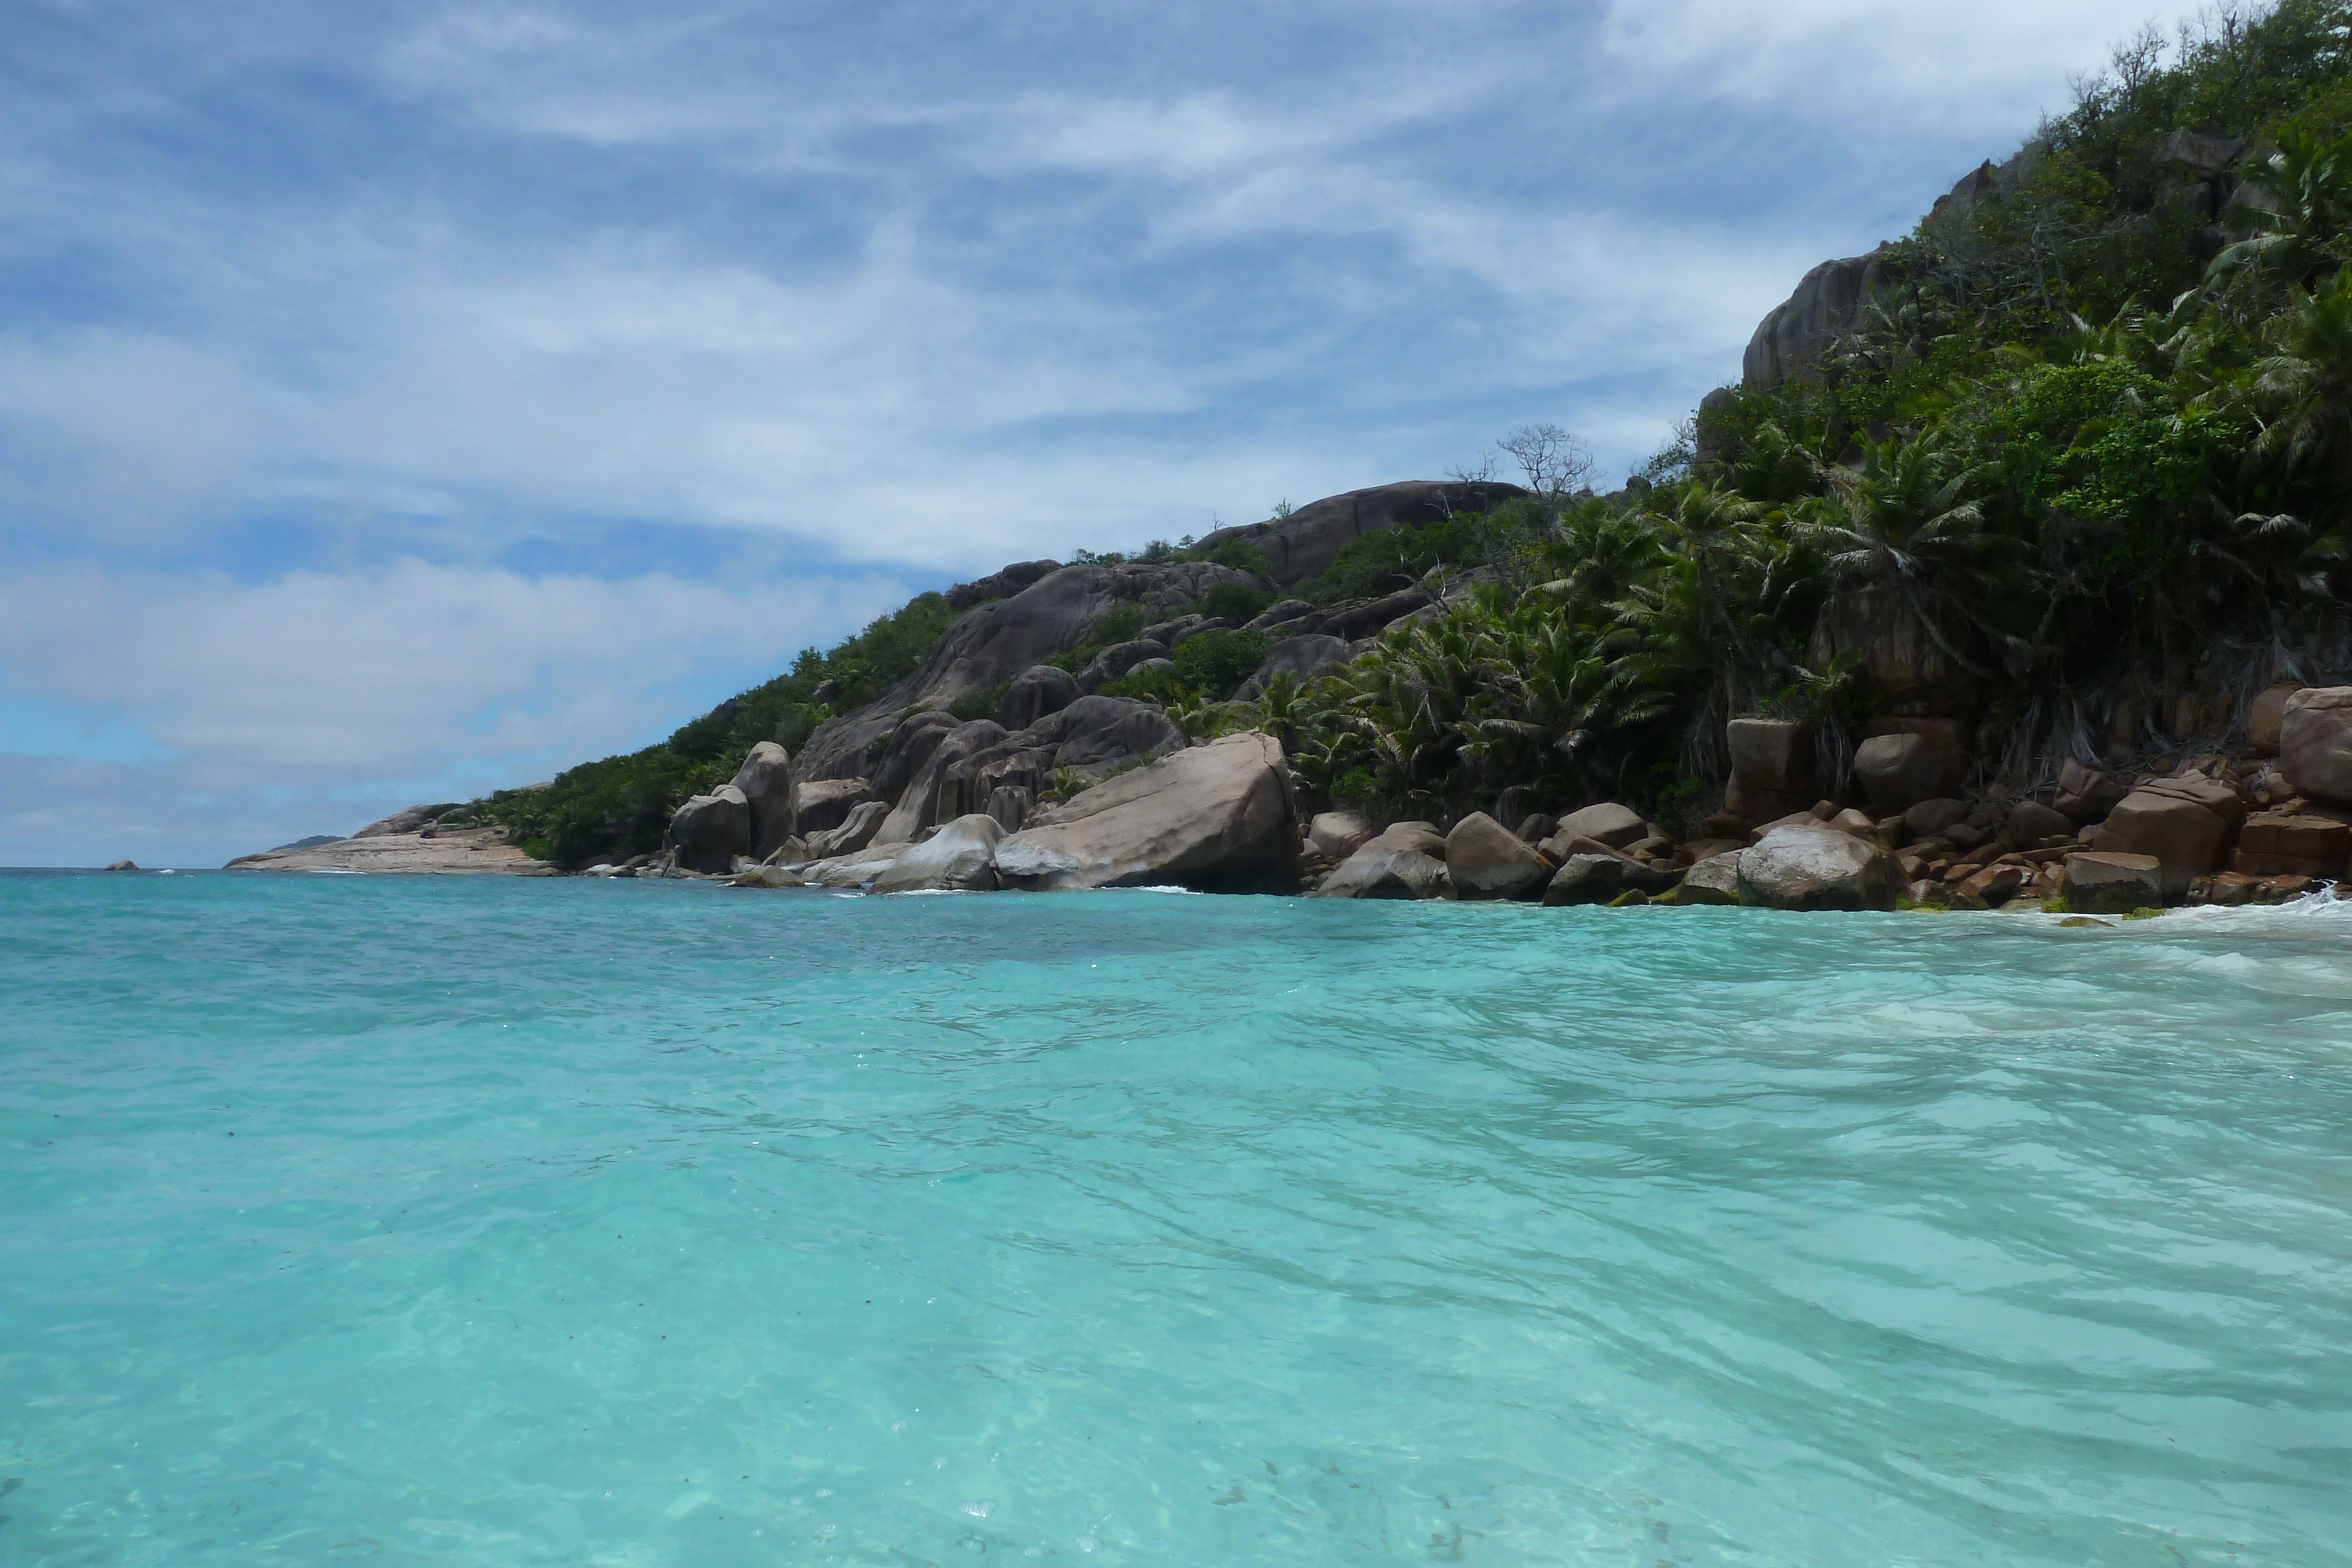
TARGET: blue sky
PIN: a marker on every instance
(401, 401)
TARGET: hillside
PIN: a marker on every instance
(2061, 475)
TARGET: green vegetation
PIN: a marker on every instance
(1208, 665)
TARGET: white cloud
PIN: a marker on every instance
(321, 680)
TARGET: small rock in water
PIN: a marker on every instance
(123, 865)
(2083, 922)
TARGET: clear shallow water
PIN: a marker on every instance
(419, 1221)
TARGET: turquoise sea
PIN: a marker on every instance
(403, 1221)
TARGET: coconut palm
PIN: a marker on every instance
(2306, 185)
(2303, 394)
(1905, 522)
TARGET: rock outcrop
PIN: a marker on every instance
(1594, 876)
(1715, 880)
(824, 804)
(449, 852)
(1217, 818)
(1003, 583)
(1794, 338)
(1608, 823)
(2275, 844)
(1307, 542)
(1034, 694)
(854, 831)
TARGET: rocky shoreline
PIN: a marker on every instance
(2265, 825)
(411, 843)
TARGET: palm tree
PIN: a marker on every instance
(1904, 524)
(2303, 393)
(2308, 185)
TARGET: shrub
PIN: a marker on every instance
(1241, 556)
(985, 702)
(1232, 601)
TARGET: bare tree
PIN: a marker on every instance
(1483, 474)
(1554, 461)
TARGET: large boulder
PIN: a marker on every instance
(822, 805)
(1303, 657)
(2187, 825)
(711, 832)
(909, 750)
(1407, 860)
(853, 833)
(1358, 619)
(2278, 845)
(765, 782)
(1609, 823)
(1336, 835)
(919, 805)
(1898, 771)
(2099, 883)
(1771, 767)
(2316, 743)
(2265, 715)
(1799, 867)
(960, 858)
(1796, 336)
(1035, 693)
(1305, 542)
(1118, 660)
(1929, 817)
(2085, 794)
(1485, 860)
(2030, 823)
(1715, 880)
(1216, 818)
